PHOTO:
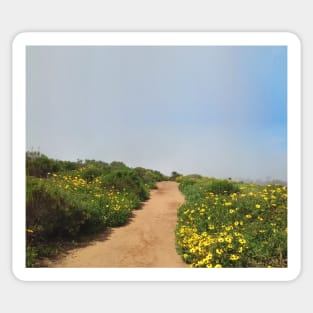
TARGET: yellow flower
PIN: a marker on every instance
(234, 257)
(228, 239)
(219, 251)
(29, 230)
(248, 216)
(257, 206)
(218, 266)
(209, 256)
(228, 203)
(231, 211)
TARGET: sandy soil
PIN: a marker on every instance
(148, 240)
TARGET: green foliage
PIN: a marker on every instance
(56, 213)
(174, 175)
(222, 186)
(64, 205)
(116, 165)
(218, 186)
(128, 180)
(242, 226)
(91, 171)
(150, 177)
(39, 165)
(31, 256)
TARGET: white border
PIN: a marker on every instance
(154, 39)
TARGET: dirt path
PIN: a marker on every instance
(148, 240)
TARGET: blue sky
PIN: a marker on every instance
(216, 111)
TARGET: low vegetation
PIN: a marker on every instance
(229, 224)
(223, 223)
(67, 201)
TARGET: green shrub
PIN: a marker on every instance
(174, 175)
(149, 177)
(223, 186)
(55, 213)
(39, 165)
(90, 172)
(126, 180)
(116, 165)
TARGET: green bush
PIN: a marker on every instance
(55, 213)
(174, 175)
(149, 177)
(223, 186)
(39, 165)
(90, 172)
(126, 180)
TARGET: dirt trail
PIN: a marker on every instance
(148, 240)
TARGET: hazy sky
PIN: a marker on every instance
(216, 111)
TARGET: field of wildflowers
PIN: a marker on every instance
(228, 224)
(221, 224)
(78, 199)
